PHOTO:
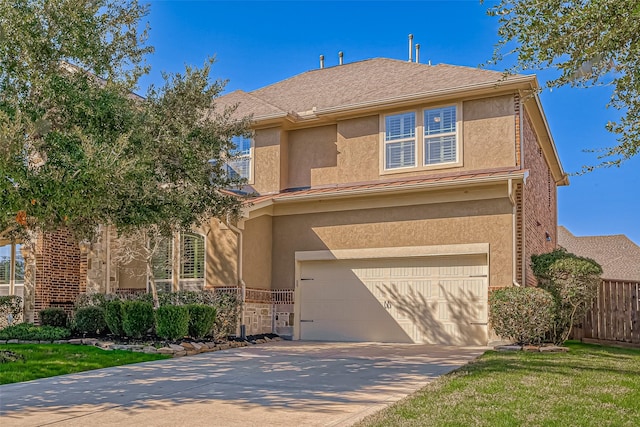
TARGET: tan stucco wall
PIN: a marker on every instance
(266, 154)
(312, 156)
(485, 221)
(350, 150)
(257, 252)
(222, 261)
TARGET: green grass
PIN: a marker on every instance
(589, 386)
(48, 360)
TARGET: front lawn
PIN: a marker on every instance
(589, 386)
(47, 360)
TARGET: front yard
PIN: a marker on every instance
(589, 386)
(46, 360)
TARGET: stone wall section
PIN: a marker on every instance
(58, 271)
(539, 202)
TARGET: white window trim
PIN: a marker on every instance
(420, 140)
(251, 156)
(176, 267)
(13, 283)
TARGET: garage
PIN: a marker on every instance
(431, 299)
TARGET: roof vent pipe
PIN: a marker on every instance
(321, 61)
(340, 55)
(417, 52)
(410, 47)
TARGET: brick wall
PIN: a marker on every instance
(60, 271)
(539, 201)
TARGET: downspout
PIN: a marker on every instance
(107, 239)
(514, 259)
(243, 286)
(522, 162)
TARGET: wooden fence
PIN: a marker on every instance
(615, 315)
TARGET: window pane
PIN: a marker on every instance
(161, 261)
(19, 265)
(400, 154)
(5, 264)
(440, 150)
(440, 120)
(192, 256)
(400, 126)
(243, 145)
(240, 167)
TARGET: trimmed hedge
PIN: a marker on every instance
(54, 316)
(172, 321)
(137, 318)
(113, 317)
(28, 331)
(202, 319)
(90, 321)
(524, 315)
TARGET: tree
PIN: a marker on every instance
(78, 149)
(589, 42)
(572, 281)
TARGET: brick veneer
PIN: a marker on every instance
(539, 202)
(61, 271)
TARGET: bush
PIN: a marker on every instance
(172, 321)
(227, 314)
(28, 331)
(137, 318)
(524, 315)
(10, 310)
(202, 319)
(113, 317)
(53, 316)
(572, 281)
(90, 320)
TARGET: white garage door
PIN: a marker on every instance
(423, 300)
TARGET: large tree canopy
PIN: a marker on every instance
(79, 149)
(590, 42)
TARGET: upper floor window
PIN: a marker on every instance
(240, 165)
(400, 141)
(432, 138)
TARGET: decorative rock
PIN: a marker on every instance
(3, 341)
(211, 345)
(277, 339)
(553, 349)
(191, 352)
(531, 348)
(267, 339)
(45, 342)
(13, 341)
(224, 346)
(197, 346)
(76, 341)
(180, 353)
(165, 350)
(89, 341)
(150, 350)
(176, 347)
(29, 342)
(61, 342)
(508, 348)
(105, 344)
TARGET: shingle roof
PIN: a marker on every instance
(397, 184)
(617, 254)
(361, 82)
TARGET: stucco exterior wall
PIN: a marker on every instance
(266, 156)
(484, 221)
(539, 201)
(257, 252)
(222, 259)
(350, 150)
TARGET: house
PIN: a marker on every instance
(618, 256)
(387, 199)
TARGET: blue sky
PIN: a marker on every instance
(262, 42)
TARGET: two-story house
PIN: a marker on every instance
(390, 196)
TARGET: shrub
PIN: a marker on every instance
(53, 316)
(90, 320)
(202, 318)
(10, 310)
(28, 331)
(572, 281)
(113, 317)
(524, 315)
(227, 314)
(172, 321)
(137, 318)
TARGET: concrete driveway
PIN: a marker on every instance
(277, 384)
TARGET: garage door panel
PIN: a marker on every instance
(432, 299)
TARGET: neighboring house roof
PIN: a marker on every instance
(407, 184)
(617, 254)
